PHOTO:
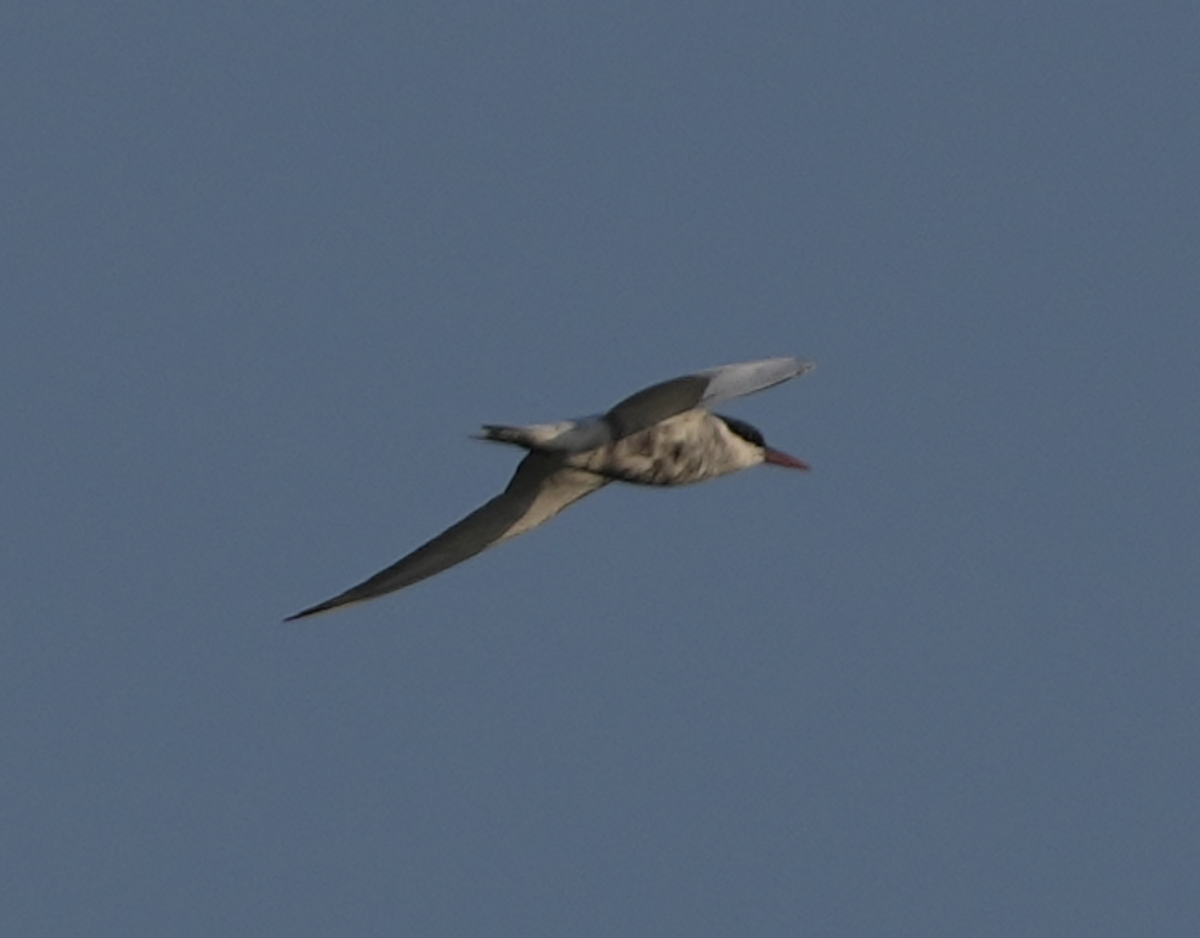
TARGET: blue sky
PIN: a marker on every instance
(266, 267)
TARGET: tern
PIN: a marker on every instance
(662, 435)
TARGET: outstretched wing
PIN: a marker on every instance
(703, 389)
(540, 488)
(652, 405)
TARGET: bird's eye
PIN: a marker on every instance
(745, 431)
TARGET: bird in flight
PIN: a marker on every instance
(662, 435)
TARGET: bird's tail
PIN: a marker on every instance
(517, 436)
(566, 436)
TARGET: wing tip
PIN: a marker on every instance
(792, 365)
(328, 606)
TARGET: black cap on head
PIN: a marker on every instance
(744, 430)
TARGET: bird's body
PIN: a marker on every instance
(694, 446)
(663, 435)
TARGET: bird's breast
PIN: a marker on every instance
(689, 447)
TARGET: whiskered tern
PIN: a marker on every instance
(662, 435)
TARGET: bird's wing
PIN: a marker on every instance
(703, 389)
(540, 488)
(651, 405)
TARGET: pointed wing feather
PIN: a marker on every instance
(703, 389)
(540, 488)
(730, 381)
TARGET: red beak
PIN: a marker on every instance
(776, 458)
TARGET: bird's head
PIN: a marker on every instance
(753, 436)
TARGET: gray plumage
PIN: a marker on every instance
(662, 435)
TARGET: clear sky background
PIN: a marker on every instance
(264, 268)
